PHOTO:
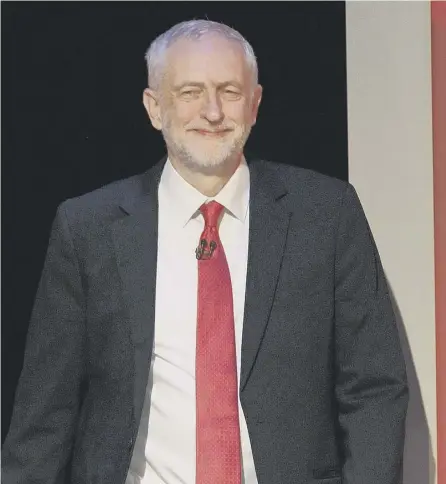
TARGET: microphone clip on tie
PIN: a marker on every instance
(201, 252)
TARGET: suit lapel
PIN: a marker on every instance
(269, 222)
(135, 238)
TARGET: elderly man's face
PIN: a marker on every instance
(207, 102)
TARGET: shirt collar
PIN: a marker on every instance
(185, 200)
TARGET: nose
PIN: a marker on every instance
(212, 109)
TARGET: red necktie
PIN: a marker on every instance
(218, 432)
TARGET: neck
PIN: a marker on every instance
(207, 181)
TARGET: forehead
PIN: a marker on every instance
(210, 59)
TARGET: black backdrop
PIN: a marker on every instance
(73, 120)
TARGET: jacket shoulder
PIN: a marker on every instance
(102, 205)
(304, 182)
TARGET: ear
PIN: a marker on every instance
(256, 99)
(151, 102)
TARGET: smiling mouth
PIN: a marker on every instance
(212, 134)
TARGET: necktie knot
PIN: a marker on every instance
(211, 212)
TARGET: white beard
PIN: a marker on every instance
(206, 155)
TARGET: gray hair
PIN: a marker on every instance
(192, 29)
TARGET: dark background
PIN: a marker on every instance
(72, 117)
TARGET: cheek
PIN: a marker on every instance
(186, 112)
(239, 113)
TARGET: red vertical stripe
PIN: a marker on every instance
(438, 16)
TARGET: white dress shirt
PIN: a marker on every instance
(164, 452)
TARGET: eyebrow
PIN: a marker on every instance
(201, 85)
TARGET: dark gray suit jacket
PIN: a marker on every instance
(323, 383)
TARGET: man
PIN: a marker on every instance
(215, 320)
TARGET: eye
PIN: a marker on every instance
(190, 93)
(232, 94)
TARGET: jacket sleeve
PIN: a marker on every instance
(371, 384)
(38, 445)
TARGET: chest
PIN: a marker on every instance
(177, 286)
